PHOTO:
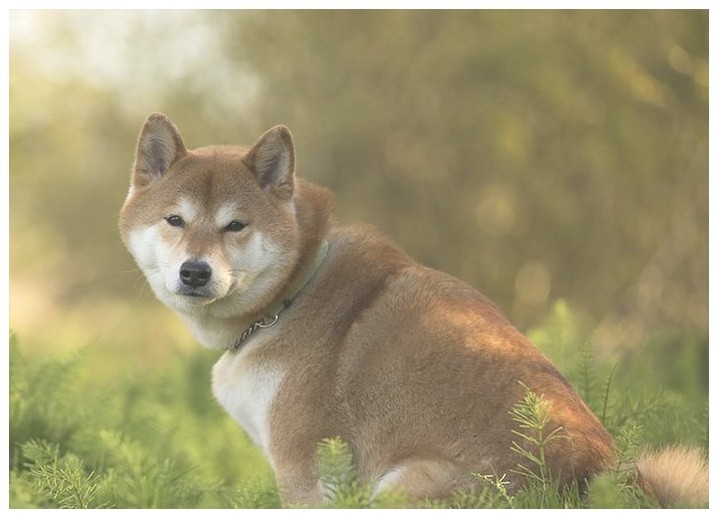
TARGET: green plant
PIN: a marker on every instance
(338, 477)
(532, 415)
(129, 443)
(85, 434)
(341, 486)
(539, 488)
(62, 479)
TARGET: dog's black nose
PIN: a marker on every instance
(195, 273)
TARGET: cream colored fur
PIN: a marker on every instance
(414, 369)
(676, 476)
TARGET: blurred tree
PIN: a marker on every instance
(535, 154)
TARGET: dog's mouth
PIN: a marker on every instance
(197, 295)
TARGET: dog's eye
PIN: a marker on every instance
(235, 226)
(174, 221)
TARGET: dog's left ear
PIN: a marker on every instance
(271, 159)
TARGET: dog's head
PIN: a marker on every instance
(213, 229)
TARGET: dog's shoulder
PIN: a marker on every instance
(362, 244)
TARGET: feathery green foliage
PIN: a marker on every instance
(83, 440)
(127, 443)
(531, 415)
(338, 477)
(62, 479)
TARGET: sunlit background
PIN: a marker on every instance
(540, 156)
(556, 160)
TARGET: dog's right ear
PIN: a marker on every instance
(158, 147)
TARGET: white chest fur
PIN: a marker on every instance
(246, 389)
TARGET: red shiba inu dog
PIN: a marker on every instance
(333, 331)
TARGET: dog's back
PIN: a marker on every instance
(334, 331)
(421, 373)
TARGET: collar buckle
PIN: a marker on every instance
(261, 323)
(257, 324)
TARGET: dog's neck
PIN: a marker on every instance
(272, 316)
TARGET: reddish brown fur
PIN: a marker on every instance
(414, 369)
(418, 370)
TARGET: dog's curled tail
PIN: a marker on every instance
(675, 476)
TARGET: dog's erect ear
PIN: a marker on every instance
(271, 159)
(159, 146)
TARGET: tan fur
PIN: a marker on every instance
(675, 476)
(414, 369)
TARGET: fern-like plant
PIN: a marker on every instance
(532, 416)
(338, 477)
(62, 480)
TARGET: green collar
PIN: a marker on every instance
(272, 316)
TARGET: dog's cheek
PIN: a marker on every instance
(250, 255)
(142, 243)
(256, 255)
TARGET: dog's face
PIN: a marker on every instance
(214, 229)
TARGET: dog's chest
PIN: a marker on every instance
(246, 388)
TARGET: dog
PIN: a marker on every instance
(333, 331)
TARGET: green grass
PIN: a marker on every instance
(82, 436)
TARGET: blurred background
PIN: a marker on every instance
(541, 156)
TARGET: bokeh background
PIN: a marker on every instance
(556, 160)
(538, 155)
